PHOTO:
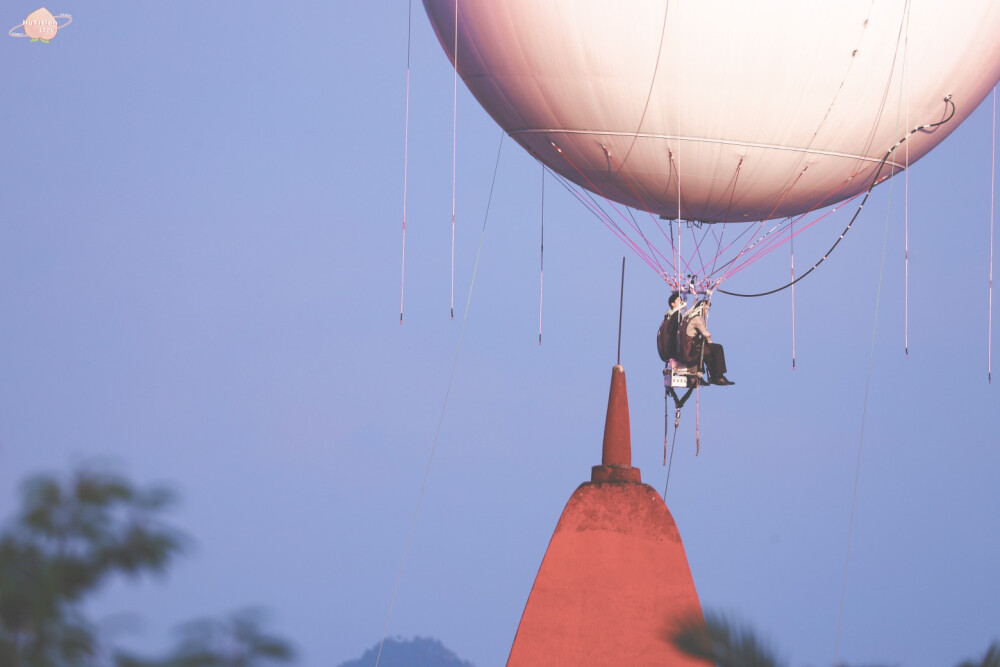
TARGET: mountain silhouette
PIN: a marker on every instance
(416, 652)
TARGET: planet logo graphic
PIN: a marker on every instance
(41, 26)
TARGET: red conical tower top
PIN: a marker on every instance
(614, 583)
(616, 455)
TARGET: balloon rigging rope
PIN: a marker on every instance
(444, 405)
(670, 465)
(752, 251)
(635, 224)
(406, 155)
(604, 217)
(759, 246)
(652, 249)
(875, 181)
(649, 259)
(587, 199)
(541, 261)
(771, 241)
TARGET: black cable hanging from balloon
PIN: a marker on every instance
(875, 181)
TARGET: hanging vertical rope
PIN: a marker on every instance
(671, 464)
(993, 169)
(454, 162)
(791, 242)
(906, 198)
(621, 308)
(906, 253)
(406, 154)
(677, 262)
(541, 261)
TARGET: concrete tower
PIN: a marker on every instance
(614, 580)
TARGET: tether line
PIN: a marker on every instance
(406, 154)
(864, 414)
(444, 405)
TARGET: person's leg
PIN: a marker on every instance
(716, 360)
(719, 358)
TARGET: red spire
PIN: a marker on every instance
(614, 582)
(616, 456)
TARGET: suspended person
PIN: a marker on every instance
(697, 347)
(669, 332)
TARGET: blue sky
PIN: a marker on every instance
(199, 281)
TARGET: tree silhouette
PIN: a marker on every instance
(718, 640)
(990, 659)
(235, 642)
(722, 642)
(71, 536)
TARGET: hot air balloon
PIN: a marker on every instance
(711, 114)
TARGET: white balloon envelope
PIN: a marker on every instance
(723, 110)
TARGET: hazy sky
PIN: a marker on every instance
(200, 282)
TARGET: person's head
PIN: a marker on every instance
(675, 300)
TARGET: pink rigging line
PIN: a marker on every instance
(656, 251)
(767, 243)
(646, 208)
(601, 215)
(773, 243)
(756, 246)
(653, 264)
(777, 241)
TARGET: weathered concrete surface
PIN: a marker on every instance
(613, 583)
